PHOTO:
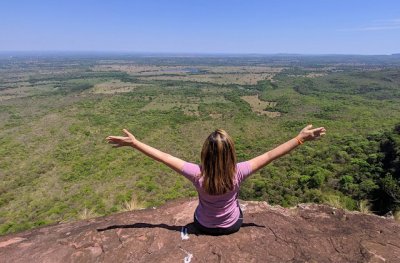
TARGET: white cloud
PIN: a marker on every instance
(378, 25)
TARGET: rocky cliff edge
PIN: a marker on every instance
(306, 233)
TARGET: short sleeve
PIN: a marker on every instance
(243, 171)
(191, 171)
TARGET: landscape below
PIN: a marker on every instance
(55, 112)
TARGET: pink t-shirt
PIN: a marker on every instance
(217, 210)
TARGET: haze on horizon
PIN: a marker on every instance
(227, 27)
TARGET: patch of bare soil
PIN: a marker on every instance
(115, 86)
(258, 106)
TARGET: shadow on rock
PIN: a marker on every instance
(191, 229)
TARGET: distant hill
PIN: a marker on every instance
(306, 233)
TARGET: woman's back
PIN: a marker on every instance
(217, 210)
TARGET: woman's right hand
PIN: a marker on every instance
(309, 134)
(119, 141)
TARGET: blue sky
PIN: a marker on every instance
(206, 26)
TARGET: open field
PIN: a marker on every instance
(216, 74)
(222, 79)
(260, 106)
(115, 86)
(56, 111)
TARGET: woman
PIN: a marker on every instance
(218, 178)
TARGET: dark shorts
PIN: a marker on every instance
(219, 231)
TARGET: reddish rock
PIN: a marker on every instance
(307, 233)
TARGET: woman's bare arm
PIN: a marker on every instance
(307, 134)
(130, 140)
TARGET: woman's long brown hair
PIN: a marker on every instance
(218, 160)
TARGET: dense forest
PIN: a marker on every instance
(55, 112)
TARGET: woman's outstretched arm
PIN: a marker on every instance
(306, 134)
(130, 140)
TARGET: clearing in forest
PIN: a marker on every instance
(116, 86)
(222, 75)
(258, 106)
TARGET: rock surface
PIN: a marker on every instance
(307, 233)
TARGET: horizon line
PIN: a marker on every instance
(189, 53)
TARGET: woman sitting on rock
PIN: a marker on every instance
(218, 178)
